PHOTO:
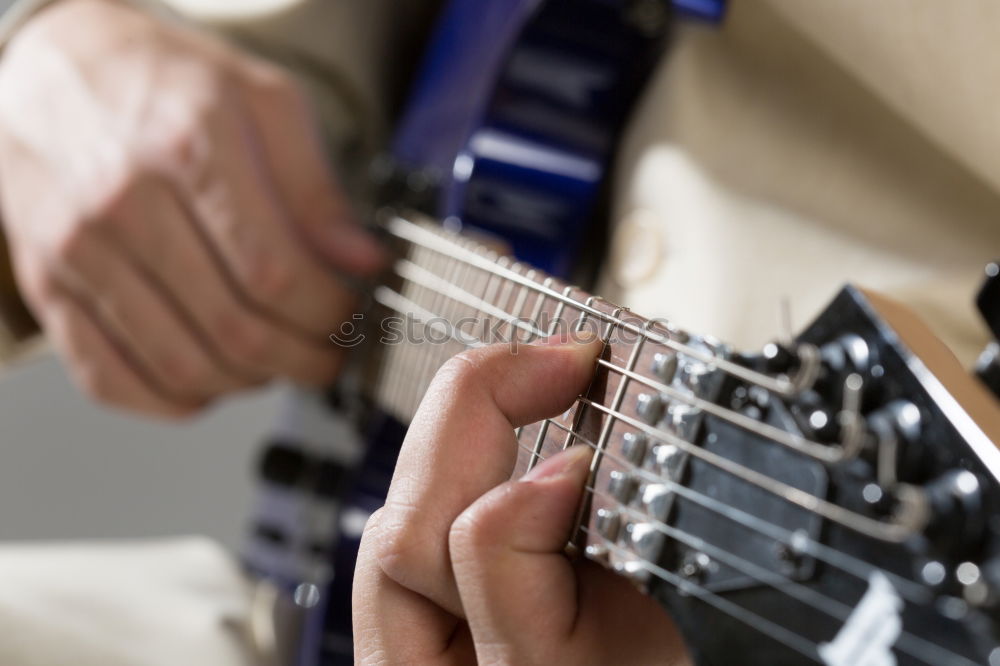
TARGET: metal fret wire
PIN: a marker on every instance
(843, 561)
(857, 522)
(416, 234)
(907, 642)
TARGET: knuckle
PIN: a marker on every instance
(105, 207)
(278, 86)
(185, 145)
(210, 82)
(247, 341)
(69, 248)
(462, 372)
(397, 545)
(181, 375)
(265, 279)
(470, 533)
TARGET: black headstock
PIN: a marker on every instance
(871, 536)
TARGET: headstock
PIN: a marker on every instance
(847, 512)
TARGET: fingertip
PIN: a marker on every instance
(354, 249)
(569, 463)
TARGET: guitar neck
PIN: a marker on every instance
(448, 293)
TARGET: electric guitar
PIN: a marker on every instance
(832, 499)
(825, 501)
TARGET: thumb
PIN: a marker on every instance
(518, 589)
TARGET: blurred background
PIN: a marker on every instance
(70, 469)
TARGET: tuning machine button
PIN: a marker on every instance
(608, 523)
(665, 366)
(650, 408)
(622, 486)
(957, 514)
(657, 498)
(646, 541)
(668, 459)
(634, 447)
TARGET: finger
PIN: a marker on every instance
(163, 237)
(461, 444)
(291, 140)
(508, 555)
(234, 200)
(395, 625)
(98, 365)
(141, 318)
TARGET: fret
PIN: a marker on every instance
(396, 361)
(506, 289)
(449, 311)
(536, 311)
(536, 452)
(482, 297)
(623, 382)
(448, 269)
(579, 412)
(493, 286)
(412, 384)
(510, 333)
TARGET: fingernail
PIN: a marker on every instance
(568, 338)
(564, 463)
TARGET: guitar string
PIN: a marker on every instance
(855, 521)
(907, 642)
(846, 562)
(790, 639)
(793, 640)
(417, 275)
(841, 560)
(419, 235)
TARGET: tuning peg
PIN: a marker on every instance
(958, 520)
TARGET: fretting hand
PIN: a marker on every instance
(463, 565)
(172, 222)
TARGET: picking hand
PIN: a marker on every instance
(172, 221)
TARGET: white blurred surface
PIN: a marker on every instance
(70, 469)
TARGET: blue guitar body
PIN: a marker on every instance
(510, 130)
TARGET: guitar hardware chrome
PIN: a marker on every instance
(646, 540)
(852, 424)
(665, 366)
(634, 447)
(657, 498)
(695, 565)
(650, 407)
(608, 523)
(622, 486)
(668, 460)
(810, 364)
